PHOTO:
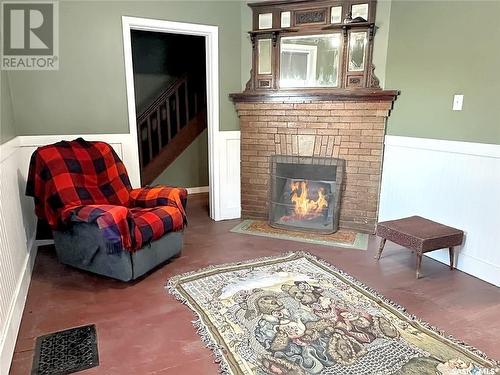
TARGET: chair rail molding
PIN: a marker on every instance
(211, 34)
(455, 183)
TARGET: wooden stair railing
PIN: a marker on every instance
(169, 125)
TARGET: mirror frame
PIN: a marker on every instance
(312, 17)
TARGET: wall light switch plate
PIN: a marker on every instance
(458, 101)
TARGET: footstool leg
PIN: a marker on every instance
(452, 258)
(380, 248)
(419, 262)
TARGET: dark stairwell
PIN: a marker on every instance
(170, 90)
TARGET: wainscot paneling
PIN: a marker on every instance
(230, 199)
(17, 253)
(455, 183)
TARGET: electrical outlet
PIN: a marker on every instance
(458, 101)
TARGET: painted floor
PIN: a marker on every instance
(143, 330)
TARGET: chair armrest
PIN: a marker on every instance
(114, 222)
(154, 196)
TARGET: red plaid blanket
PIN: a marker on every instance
(82, 181)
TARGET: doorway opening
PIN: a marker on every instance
(171, 108)
(173, 112)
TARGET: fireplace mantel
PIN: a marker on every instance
(358, 95)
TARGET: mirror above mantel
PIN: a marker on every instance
(312, 45)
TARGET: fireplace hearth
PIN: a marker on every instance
(305, 193)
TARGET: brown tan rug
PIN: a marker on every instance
(295, 314)
(342, 238)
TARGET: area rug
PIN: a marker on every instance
(295, 314)
(341, 238)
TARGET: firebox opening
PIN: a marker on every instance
(305, 193)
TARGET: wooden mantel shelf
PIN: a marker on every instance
(362, 95)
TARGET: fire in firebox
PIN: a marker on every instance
(308, 202)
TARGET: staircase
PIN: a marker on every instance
(168, 126)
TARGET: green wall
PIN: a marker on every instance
(7, 128)
(383, 18)
(190, 169)
(87, 94)
(438, 49)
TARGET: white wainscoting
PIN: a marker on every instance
(230, 186)
(17, 253)
(455, 183)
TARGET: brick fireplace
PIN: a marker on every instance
(350, 127)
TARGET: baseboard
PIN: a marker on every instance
(8, 342)
(484, 270)
(197, 190)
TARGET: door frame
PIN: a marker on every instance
(211, 34)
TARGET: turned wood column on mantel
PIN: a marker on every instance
(343, 123)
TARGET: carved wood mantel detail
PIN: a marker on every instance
(352, 20)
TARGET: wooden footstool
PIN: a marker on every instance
(421, 235)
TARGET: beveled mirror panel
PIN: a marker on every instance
(360, 10)
(264, 56)
(310, 61)
(336, 15)
(265, 21)
(357, 51)
(285, 19)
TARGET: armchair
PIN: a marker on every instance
(100, 224)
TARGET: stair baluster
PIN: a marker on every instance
(182, 127)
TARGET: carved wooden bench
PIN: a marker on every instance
(421, 235)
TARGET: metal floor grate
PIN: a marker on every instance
(66, 352)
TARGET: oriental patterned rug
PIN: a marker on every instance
(342, 238)
(295, 314)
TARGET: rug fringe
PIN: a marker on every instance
(202, 331)
(218, 351)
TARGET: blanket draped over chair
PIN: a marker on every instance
(81, 181)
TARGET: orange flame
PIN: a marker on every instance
(304, 207)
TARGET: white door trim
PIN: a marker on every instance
(211, 34)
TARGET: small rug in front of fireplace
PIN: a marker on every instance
(342, 238)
